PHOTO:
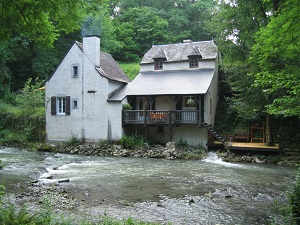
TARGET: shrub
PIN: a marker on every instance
(132, 141)
(181, 143)
(73, 141)
(295, 199)
(1, 167)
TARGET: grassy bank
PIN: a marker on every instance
(11, 215)
(19, 126)
(130, 69)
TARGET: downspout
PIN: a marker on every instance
(82, 101)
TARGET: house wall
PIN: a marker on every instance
(210, 100)
(193, 135)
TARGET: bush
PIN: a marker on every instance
(181, 143)
(1, 167)
(73, 141)
(132, 141)
(295, 199)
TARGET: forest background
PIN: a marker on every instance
(259, 43)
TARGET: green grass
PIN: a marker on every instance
(12, 215)
(130, 69)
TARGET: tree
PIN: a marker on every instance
(278, 61)
(235, 24)
(138, 29)
(41, 21)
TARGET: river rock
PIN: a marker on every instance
(63, 181)
(257, 160)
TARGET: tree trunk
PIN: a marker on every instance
(269, 136)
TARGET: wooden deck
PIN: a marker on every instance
(246, 146)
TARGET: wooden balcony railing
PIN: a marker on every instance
(159, 117)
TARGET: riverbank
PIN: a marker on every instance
(288, 157)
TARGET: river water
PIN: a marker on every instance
(206, 191)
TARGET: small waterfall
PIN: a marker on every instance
(213, 158)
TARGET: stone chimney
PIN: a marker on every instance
(91, 49)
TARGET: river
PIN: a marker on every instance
(206, 191)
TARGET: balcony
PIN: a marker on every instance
(160, 117)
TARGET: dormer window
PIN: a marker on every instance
(158, 64)
(159, 58)
(194, 62)
(194, 57)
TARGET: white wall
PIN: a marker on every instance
(59, 128)
(211, 100)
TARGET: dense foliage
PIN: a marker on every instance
(25, 120)
(278, 60)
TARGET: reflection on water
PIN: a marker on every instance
(220, 191)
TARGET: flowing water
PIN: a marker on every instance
(206, 191)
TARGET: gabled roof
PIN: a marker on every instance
(160, 54)
(181, 51)
(167, 83)
(195, 52)
(109, 68)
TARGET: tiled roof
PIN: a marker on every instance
(109, 68)
(181, 51)
(167, 83)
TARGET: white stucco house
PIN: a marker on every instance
(77, 93)
(174, 97)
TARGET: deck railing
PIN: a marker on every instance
(159, 117)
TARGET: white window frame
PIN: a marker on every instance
(61, 105)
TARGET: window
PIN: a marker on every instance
(75, 104)
(194, 62)
(158, 64)
(75, 71)
(60, 105)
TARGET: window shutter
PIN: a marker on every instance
(53, 106)
(68, 105)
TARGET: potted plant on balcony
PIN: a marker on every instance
(126, 106)
(191, 102)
